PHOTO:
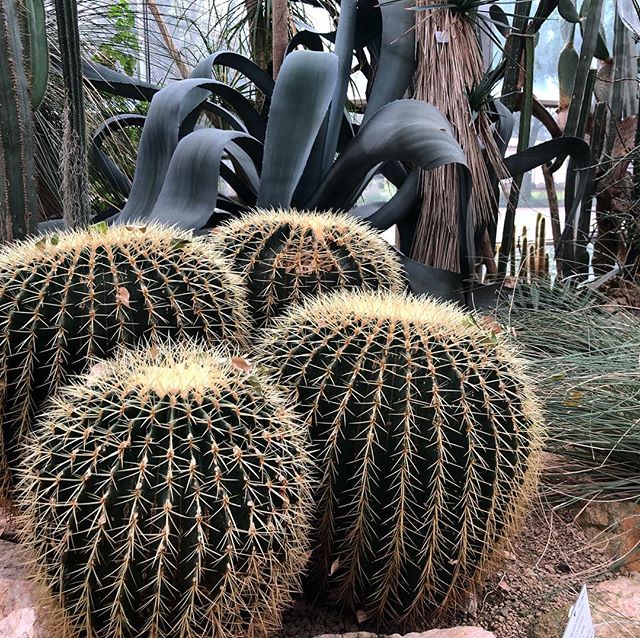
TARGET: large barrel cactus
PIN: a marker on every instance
(65, 298)
(286, 255)
(427, 438)
(166, 496)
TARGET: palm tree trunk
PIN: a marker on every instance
(280, 31)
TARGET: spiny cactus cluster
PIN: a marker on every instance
(65, 298)
(166, 495)
(167, 492)
(286, 256)
(426, 436)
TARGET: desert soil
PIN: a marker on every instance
(543, 570)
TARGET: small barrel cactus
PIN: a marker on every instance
(427, 437)
(65, 298)
(166, 495)
(286, 255)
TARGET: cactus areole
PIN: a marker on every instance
(69, 297)
(166, 496)
(286, 256)
(427, 440)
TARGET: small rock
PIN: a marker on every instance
(454, 632)
(614, 528)
(18, 618)
(616, 607)
(550, 624)
(21, 623)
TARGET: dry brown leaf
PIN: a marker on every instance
(240, 363)
(334, 567)
(361, 616)
(123, 296)
(491, 324)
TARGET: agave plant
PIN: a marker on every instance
(291, 154)
(301, 149)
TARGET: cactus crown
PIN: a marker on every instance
(286, 255)
(69, 297)
(166, 493)
(428, 441)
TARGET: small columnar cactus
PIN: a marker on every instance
(427, 438)
(65, 298)
(286, 255)
(166, 495)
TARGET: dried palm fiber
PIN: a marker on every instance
(166, 495)
(427, 438)
(449, 67)
(80, 294)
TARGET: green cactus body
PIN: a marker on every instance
(286, 256)
(65, 298)
(166, 495)
(18, 199)
(427, 439)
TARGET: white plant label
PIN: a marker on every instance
(442, 37)
(580, 623)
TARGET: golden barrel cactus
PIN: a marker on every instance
(166, 495)
(287, 255)
(69, 297)
(427, 438)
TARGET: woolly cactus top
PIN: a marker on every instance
(320, 225)
(346, 307)
(51, 245)
(180, 369)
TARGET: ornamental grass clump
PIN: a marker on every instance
(287, 255)
(69, 297)
(427, 438)
(166, 495)
(582, 351)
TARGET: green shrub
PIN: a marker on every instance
(582, 352)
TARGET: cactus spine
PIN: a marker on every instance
(166, 496)
(288, 255)
(65, 298)
(427, 440)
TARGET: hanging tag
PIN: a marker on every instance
(442, 37)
